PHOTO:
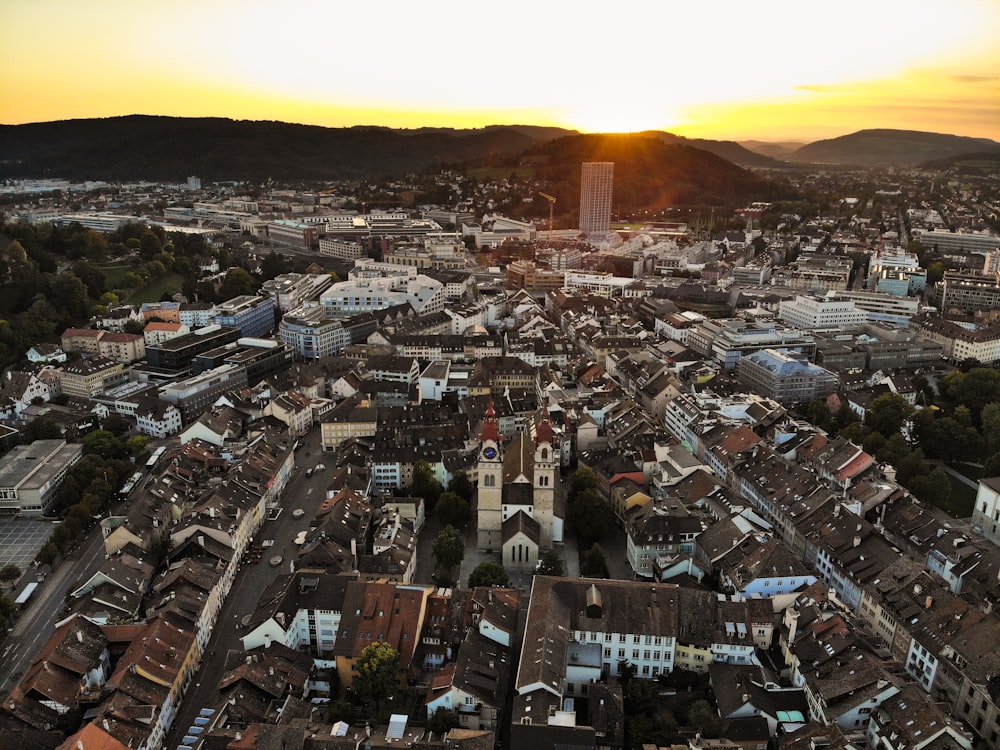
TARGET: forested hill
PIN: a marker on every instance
(648, 172)
(886, 147)
(140, 147)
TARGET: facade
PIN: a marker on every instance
(962, 342)
(725, 341)
(291, 291)
(986, 513)
(596, 184)
(292, 233)
(156, 332)
(195, 395)
(816, 313)
(967, 293)
(252, 314)
(815, 272)
(312, 333)
(88, 377)
(340, 248)
(118, 347)
(363, 295)
(30, 475)
(178, 354)
(785, 378)
(959, 242)
(896, 271)
(517, 510)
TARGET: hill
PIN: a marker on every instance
(899, 148)
(171, 148)
(649, 173)
(775, 149)
(728, 150)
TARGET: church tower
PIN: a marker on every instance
(544, 481)
(489, 468)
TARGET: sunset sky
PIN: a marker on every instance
(771, 69)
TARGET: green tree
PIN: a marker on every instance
(550, 564)
(888, 413)
(583, 479)
(137, 444)
(7, 609)
(104, 444)
(442, 720)
(150, 245)
(975, 389)
(461, 485)
(448, 548)
(116, 424)
(425, 484)
(340, 710)
(991, 427)
(452, 510)
(591, 516)
(41, 428)
(10, 573)
(593, 563)
(377, 673)
(237, 282)
(933, 487)
(701, 718)
(991, 466)
(488, 573)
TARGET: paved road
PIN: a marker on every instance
(253, 579)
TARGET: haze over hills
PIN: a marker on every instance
(899, 148)
(140, 147)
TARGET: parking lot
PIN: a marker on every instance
(20, 540)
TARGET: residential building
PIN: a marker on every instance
(196, 394)
(156, 332)
(291, 291)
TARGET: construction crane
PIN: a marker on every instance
(552, 205)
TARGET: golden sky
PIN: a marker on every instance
(771, 69)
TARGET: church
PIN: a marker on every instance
(518, 512)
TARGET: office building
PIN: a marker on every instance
(313, 333)
(252, 314)
(177, 354)
(31, 474)
(596, 184)
(786, 378)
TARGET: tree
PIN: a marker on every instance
(461, 485)
(41, 428)
(7, 609)
(991, 466)
(550, 564)
(583, 479)
(378, 673)
(340, 710)
(104, 444)
(591, 516)
(990, 419)
(10, 573)
(593, 564)
(888, 413)
(452, 510)
(448, 548)
(237, 282)
(116, 424)
(425, 484)
(701, 718)
(442, 720)
(488, 573)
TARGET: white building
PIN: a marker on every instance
(822, 313)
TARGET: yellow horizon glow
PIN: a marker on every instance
(716, 69)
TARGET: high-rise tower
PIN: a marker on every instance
(595, 198)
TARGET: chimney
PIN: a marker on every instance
(201, 540)
(928, 602)
(857, 541)
(79, 636)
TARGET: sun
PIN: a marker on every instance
(620, 116)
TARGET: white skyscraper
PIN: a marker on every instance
(595, 198)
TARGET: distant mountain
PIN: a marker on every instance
(649, 172)
(982, 163)
(728, 150)
(776, 149)
(171, 148)
(899, 148)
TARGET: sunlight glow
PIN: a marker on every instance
(715, 68)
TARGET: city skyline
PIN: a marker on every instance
(714, 69)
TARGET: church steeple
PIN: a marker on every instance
(491, 426)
